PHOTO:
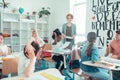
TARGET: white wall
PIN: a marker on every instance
(88, 23)
(59, 9)
(103, 15)
(29, 5)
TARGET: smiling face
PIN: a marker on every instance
(69, 18)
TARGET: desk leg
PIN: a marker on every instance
(64, 56)
(111, 75)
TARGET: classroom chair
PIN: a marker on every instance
(47, 55)
(9, 66)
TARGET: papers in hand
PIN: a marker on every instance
(68, 37)
(65, 45)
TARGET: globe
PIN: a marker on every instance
(21, 10)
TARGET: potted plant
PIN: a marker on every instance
(44, 12)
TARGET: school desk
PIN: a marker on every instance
(48, 74)
(61, 52)
(103, 64)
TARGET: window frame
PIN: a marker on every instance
(73, 12)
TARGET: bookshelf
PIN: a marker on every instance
(19, 27)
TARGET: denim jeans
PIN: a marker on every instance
(102, 74)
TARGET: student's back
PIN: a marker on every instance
(89, 52)
(93, 57)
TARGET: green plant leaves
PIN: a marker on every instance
(44, 12)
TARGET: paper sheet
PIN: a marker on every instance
(112, 60)
(68, 37)
(65, 45)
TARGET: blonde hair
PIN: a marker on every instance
(69, 15)
(34, 30)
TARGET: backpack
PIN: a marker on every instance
(74, 63)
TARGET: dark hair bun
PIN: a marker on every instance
(57, 31)
(36, 46)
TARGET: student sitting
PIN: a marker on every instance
(57, 43)
(114, 47)
(27, 60)
(39, 41)
(4, 50)
(89, 52)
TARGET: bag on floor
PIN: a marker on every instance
(74, 63)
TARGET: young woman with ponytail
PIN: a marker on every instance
(89, 52)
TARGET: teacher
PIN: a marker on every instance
(69, 30)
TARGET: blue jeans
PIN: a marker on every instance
(102, 74)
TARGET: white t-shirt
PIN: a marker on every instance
(23, 62)
(58, 45)
(4, 48)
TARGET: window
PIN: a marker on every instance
(78, 8)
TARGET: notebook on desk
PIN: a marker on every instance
(112, 60)
(101, 64)
(104, 64)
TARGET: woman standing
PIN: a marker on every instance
(69, 30)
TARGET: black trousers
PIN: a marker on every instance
(0, 73)
(58, 59)
(116, 75)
